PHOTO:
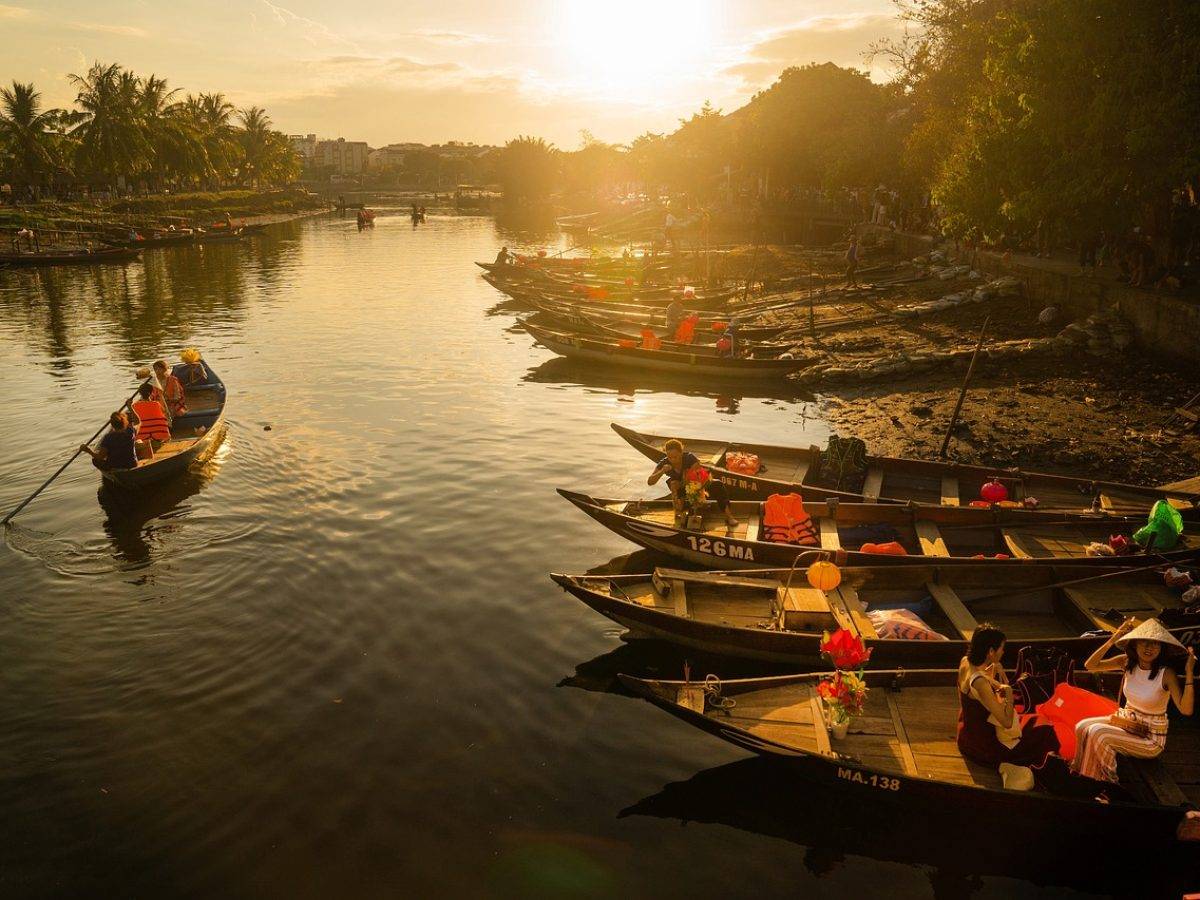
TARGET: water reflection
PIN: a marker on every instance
(141, 523)
(169, 294)
(761, 796)
(727, 399)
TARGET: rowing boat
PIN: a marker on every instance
(628, 315)
(901, 752)
(564, 317)
(195, 435)
(532, 293)
(949, 534)
(777, 616)
(84, 257)
(702, 361)
(787, 469)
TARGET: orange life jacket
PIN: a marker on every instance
(784, 520)
(650, 340)
(152, 421)
(686, 332)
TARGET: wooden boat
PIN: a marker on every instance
(564, 317)
(83, 257)
(902, 751)
(627, 315)
(951, 535)
(788, 469)
(156, 240)
(532, 293)
(226, 237)
(194, 435)
(702, 361)
(776, 616)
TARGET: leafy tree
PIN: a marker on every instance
(528, 168)
(30, 137)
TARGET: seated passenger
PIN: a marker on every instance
(117, 449)
(192, 372)
(152, 418)
(1139, 728)
(171, 395)
(988, 731)
(675, 464)
(503, 258)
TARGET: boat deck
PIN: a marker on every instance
(912, 732)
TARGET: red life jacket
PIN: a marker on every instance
(650, 340)
(152, 421)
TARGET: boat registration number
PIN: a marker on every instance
(720, 548)
(883, 782)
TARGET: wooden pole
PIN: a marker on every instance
(63, 467)
(962, 394)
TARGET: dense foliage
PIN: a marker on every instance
(136, 131)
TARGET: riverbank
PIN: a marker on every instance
(75, 222)
(1050, 391)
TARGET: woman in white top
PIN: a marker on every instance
(1139, 728)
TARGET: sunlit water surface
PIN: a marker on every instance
(330, 662)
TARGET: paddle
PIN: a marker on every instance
(962, 394)
(63, 467)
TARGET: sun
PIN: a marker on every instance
(633, 49)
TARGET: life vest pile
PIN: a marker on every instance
(152, 422)
(784, 521)
(742, 463)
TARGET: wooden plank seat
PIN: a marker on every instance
(1156, 778)
(801, 471)
(805, 609)
(956, 611)
(829, 534)
(1096, 598)
(950, 494)
(930, 536)
(873, 485)
(763, 584)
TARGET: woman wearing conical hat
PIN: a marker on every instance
(1139, 727)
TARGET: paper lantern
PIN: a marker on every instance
(993, 491)
(824, 576)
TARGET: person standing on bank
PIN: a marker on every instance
(1149, 685)
(675, 464)
(852, 262)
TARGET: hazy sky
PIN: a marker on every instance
(393, 70)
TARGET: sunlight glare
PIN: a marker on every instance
(617, 46)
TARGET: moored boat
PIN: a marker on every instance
(948, 534)
(902, 751)
(627, 316)
(698, 360)
(195, 434)
(80, 257)
(777, 616)
(787, 469)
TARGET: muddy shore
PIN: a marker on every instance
(1046, 394)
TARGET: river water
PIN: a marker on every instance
(330, 662)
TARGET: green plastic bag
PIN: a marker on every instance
(1162, 529)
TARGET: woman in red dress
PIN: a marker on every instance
(986, 712)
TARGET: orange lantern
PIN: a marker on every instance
(824, 576)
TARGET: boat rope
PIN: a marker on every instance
(712, 694)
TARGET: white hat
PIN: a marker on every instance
(1153, 630)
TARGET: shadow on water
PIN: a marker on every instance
(139, 522)
(568, 372)
(760, 796)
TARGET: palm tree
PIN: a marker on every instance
(255, 141)
(28, 135)
(112, 143)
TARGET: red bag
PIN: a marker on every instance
(891, 548)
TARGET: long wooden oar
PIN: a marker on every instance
(63, 467)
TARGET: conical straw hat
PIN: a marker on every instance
(1153, 630)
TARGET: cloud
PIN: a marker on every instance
(312, 31)
(370, 66)
(101, 28)
(454, 38)
(14, 12)
(842, 39)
